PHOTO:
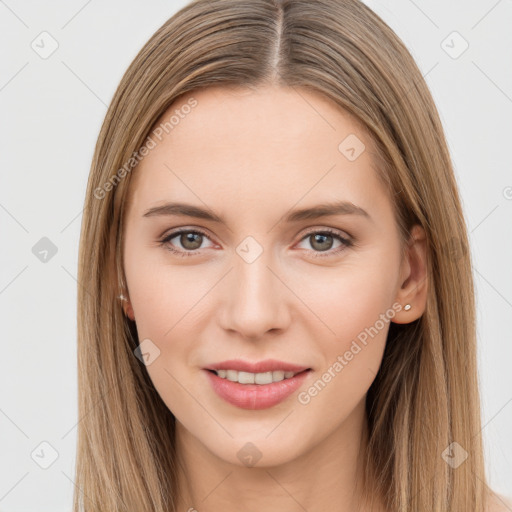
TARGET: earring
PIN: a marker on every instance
(122, 297)
(407, 307)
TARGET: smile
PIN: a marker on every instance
(269, 383)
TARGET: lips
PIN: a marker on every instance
(267, 393)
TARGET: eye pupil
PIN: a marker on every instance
(322, 238)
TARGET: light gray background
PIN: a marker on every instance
(51, 112)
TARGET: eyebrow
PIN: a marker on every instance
(314, 212)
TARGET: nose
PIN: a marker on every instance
(256, 299)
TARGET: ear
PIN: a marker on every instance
(127, 308)
(413, 278)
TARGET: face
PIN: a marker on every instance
(258, 281)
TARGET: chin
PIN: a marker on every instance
(255, 451)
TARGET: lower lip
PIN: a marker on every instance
(255, 396)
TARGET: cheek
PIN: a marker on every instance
(356, 308)
(167, 304)
(351, 302)
(163, 295)
(360, 317)
(166, 318)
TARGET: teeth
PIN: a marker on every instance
(246, 378)
(254, 378)
(277, 376)
(263, 378)
(232, 375)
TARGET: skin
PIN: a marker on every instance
(252, 156)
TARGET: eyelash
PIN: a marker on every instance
(346, 242)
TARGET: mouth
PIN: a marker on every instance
(255, 385)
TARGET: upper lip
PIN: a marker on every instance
(268, 365)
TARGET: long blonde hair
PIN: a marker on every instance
(425, 395)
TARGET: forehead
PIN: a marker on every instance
(280, 143)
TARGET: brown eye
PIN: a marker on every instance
(187, 244)
(191, 240)
(321, 241)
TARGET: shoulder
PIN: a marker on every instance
(499, 503)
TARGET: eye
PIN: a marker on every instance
(190, 240)
(322, 242)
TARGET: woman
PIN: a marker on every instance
(278, 308)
